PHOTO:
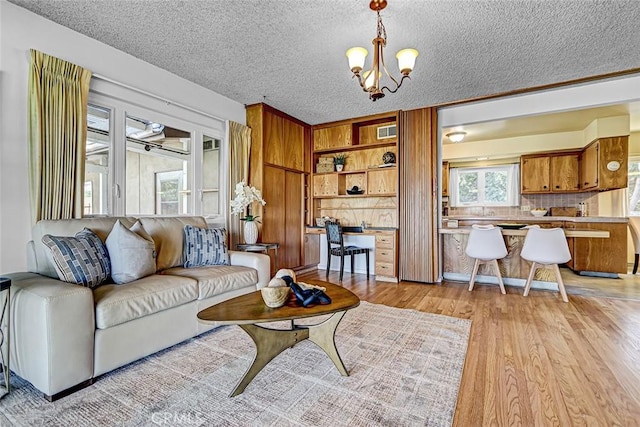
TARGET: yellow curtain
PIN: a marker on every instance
(58, 96)
(240, 150)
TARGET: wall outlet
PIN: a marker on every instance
(524, 208)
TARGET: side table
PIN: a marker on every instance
(5, 341)
(261, 247)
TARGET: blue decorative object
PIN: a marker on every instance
(83, 259)
(205, 246)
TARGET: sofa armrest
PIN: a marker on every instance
(261, 262)
(52, 332)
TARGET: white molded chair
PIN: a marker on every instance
(634, 227)
(542, 247)
(486, 245)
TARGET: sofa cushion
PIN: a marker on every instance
(205, 246)
(116, 304)
(217, 279)
(40, 261)
(82, 259)
(132, 253)
(168, 235)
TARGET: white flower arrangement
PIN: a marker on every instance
(245, 195)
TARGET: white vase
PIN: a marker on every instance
(339, 168)
(250, 232)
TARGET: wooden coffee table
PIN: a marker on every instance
(249, 309)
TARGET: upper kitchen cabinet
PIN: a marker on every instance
(445, 178)
(564, 173)
(603, 164)
(550, 173)
(534, 174)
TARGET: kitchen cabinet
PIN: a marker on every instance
(589, 163)
(599, 255)
(564, 174)
(550, 173)
(534, 174)
(445, 178)
(604, 164)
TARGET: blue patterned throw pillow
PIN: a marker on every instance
(82, 259)
(204, 246)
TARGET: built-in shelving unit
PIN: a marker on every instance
(365, 141)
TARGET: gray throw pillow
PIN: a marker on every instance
(82, 259)
(204, 246)
(132, 252)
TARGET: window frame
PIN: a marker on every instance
(130, 104)
(513, 198)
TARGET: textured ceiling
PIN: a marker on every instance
(291, 53)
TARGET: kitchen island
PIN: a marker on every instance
(598, 246)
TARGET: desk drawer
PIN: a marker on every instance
(385, 269)
(385, 255)
(385, 242)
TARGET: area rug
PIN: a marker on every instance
(405, 368)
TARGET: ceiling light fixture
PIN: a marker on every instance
(456, 136)
(370, 80)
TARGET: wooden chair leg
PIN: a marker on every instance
(563, 292)
(635, 263)
(473, 274)
(500, 282)
(328, 264)
(367, 254)
(527, 286)
(352, 262)
(341, 266)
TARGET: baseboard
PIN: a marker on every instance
(69, 391)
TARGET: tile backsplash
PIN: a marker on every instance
(533, 201)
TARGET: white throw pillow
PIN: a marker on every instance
(132, 253)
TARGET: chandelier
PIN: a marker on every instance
(370, 80)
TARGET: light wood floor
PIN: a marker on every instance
(533, 361)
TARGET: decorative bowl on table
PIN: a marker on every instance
(539, 212)
(275, 295)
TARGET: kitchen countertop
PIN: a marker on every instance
(523, 232)
(533, 219)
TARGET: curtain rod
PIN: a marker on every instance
(153, 95)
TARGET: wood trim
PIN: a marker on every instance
(269, 109)
(418, 239)
(548, 86)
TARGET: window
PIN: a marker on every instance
(96, 167)
(633, 192)
(157, 152)
(485, 186)
(143, 161)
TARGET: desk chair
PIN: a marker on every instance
(542, 247)
(634, 227)
(336, 247)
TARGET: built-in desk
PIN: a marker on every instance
(382, 242)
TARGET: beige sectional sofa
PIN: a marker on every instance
(65, 335)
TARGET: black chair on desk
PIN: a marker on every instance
(336, 247)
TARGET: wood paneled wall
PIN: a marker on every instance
(418, 241)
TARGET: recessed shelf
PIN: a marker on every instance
(391, 143)
(355, 196)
